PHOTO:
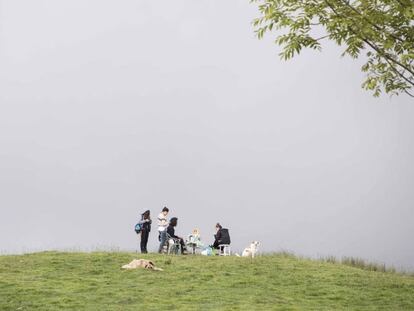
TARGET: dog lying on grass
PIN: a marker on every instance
(141, 263)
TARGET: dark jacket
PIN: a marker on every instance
(171, 232)
(146, 225)
(222, 237)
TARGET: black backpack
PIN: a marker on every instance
(225, 236)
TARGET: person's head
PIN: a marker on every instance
(218, 226)
(165, 211)
(173, 221)
(146, 214)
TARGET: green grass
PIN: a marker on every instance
(363, 264)
(95, 281)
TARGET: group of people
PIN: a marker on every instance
(167, 228)
(164, 227)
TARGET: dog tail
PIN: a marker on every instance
(237, 255)
(158, 269)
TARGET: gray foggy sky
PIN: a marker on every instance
(108, 108)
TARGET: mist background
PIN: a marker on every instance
(111, 108)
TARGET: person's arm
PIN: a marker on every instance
(143, 221)
(218, 236)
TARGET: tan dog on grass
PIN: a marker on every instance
(141, 263)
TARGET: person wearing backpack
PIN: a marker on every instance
(222, 236)
(145, 226)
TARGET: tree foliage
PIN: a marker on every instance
(383, 30)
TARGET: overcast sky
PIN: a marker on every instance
(109, 108)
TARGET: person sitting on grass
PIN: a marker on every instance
(222, 236)
(171, 233)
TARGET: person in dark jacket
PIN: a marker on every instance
(146, 228)
(171, 233)
(222, 236)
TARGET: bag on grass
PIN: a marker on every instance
(208, 251)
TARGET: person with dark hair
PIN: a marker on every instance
(222, 236)
(171, 233)
(162, 227)
(145, 230)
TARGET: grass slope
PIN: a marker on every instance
(94, 281)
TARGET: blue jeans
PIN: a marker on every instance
(163, 238)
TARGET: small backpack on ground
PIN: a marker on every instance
(138, 228)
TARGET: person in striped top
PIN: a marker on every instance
(162, 227)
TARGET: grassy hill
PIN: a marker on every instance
(94, 281)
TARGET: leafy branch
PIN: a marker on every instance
(383, 27)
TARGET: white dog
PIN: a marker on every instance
(251, 250)
(141, 263)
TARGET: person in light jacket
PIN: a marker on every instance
(162, 227)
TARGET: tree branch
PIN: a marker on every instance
(370, 22)
(372, 45)
(399, 73)
(386, 55)
(321, 38)
(408, 93)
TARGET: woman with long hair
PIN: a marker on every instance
(146, 228)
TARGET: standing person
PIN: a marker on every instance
(171, 233)
(146, 228)
(162, 227)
